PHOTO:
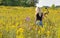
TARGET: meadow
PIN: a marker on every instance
(19, 22)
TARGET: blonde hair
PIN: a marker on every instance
(38, 10)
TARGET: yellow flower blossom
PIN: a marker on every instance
(48, 33)
(39, 32)
(21, 30)
(42, 29)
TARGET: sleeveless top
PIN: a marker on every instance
(39, 17)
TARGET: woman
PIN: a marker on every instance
(39, 16)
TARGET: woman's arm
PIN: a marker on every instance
(46, 12)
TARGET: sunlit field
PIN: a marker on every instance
(18, 22)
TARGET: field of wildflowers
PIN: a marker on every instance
(18, 22)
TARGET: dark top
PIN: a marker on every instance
(39, 17)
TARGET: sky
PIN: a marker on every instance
(47, 3)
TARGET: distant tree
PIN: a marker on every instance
(58, 6)
(35, 1)
(18, 2)
(6, 2)
(23, 3)
(0, 2)
(45, 7)
(14, 2)
(53, 6)
(31, 2)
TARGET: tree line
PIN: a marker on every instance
(18, 2)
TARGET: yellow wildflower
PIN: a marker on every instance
(48, 33)
(21, 30)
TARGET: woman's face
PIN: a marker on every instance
(39, 9)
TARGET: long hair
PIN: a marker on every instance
(38, 10)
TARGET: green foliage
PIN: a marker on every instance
(53, 6)
(17, 2)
